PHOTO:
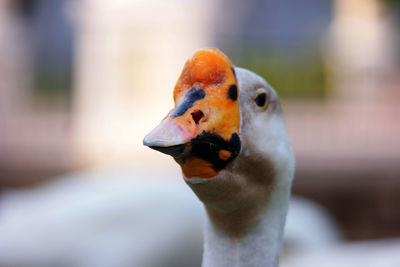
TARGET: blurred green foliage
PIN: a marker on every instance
(292, 76)
(54, 86)
(392, 1)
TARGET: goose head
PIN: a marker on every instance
(227, 133)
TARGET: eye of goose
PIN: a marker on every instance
(261, 100)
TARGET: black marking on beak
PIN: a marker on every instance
(207, 146)
(174, 151)
(233, 92)
(235, 142)
(190, 98)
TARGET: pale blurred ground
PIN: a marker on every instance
(83, 81)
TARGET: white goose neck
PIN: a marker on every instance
(260, 246)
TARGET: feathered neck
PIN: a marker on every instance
(246, 215)
(246, 202)
(259, 246)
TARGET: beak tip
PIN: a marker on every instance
(146, 142)
(163, 146)
(151, 143)
(150, 140)
(165, 134)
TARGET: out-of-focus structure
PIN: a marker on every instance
(355, 130)
(34, 125)
(83, 80)
(135, 50)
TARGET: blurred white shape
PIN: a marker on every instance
(313, 239)
(110, 218)
(309, 226)
(123, 217)
(118, 221)
(382, 253)
(150, 218)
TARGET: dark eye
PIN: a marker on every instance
(261, 100)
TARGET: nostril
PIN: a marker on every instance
(197, 115)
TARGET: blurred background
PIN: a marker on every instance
(82, 82)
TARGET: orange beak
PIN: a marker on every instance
(202, 131)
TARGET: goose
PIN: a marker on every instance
(228, 135)
(111, 217)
